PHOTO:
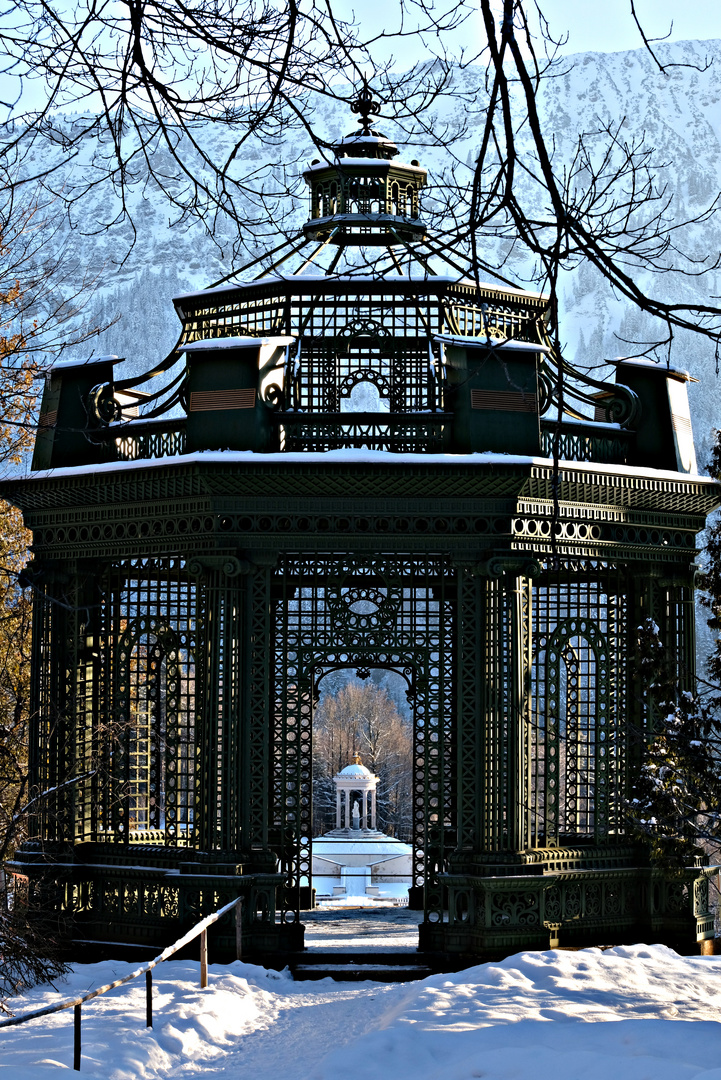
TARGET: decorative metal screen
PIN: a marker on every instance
(151, 649)
(577, 742)
(400, 370)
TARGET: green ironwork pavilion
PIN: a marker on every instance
(362, 466)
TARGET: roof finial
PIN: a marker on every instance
(365, 105)
(357, 759)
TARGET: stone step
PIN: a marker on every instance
(361, 973)
(358, 966)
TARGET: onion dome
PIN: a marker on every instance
(360, 194)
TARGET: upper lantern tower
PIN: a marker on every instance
(361, 195)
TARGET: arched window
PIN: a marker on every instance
(156, 762)
(569, 743)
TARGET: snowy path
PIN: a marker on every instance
(535, 1016)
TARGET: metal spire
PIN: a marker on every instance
(365, 105)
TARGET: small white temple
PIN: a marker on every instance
(354, 863)
(355, 798)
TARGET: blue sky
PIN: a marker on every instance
(592, 25)
(607, 26)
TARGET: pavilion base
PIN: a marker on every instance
(490, 917)
(145, 897)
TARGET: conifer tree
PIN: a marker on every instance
(676, 801)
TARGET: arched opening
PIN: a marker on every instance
(362, 785)
(569, 734)
(156, 760)
(363, 396)
(363, 621)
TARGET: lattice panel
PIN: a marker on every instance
(400, 371)
(578, 689)
(470, 646)
(47, 638)
(260, 693)
(150, 632)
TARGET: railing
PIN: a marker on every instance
(397, 432)
(76, 1004)
(149, 439)
(601, 443)
(400, 433)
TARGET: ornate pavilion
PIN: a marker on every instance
(213, 538)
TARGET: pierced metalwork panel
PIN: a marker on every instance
(578, 738)
(52, 749)
(332, 368)
(148, 648)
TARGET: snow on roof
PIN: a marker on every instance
(362, 457)
(65, 364)
(234, 343)
(356, 770)
(493, 343)
(679, 373)
(355, 162)
(357, 279)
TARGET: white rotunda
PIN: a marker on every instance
(354, 863)
(355, 797)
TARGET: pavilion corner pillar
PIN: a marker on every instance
(493, 681)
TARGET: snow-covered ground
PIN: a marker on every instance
(630, 1013)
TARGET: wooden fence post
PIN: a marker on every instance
(203, 959)
(239, 928)
(76, 1039)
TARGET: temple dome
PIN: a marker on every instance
(356, 769)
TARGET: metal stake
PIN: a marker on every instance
(148, 999)
(239, 928)
(203, 959)
(76, 1040)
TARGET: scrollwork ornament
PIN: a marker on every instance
(273, 397)
(623, 407)
(545, 392)
(362, 601)
(233, 567)
(103, 406)
(498, 565)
